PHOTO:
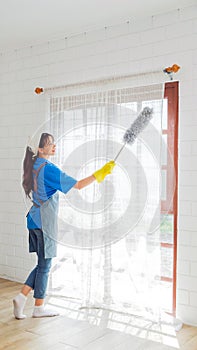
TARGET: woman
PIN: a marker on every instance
(42, 180)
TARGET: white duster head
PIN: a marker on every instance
(138, 125)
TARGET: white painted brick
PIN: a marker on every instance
(188, 163)
(31, 84)
(16, 197)
(24, 52)
(8, 77)
(141, 66)
(112, 44)
(4, 131)
(115, 70)
(8, 56)
(21, 230)
(193, 299)
(141, 52)
(8, 272)
(184, 74)
(7, 228)
(128, 41)
(185, 87)
(2, 263)
(182, 297)
(16, 65)
(8, 250)
(5, 102)
(194, 208)
(165, 46)
(95, 61)
(17, 240)
(194, 147)
(30, 62)
(188, 193)
(188, 283)
(194, 61)
(73, 52)
(95, 35)
(145, 23)
(117, 57)
(181, 28)
(20, 275)
(4, 89)
(188, 253)
(40, 49)
(98, 47)
(185, 148)
(4, 238)
(20, 252)
(194, 87)
(76, 40)
(185, 238)
(194, 268)
(16, 91)
(187, 313)
(26, 244)
(3, 174)
(152, 35)
(166, 18)
(188, 118)
(17, 109)
(194, 239)
(17, 218)
(185, 208)
(4, 68)
(15, 208)
(50, 58)
(14, 261)
(30, 263)
(58, 68)
(188, 12)
(38, 72)
(194, 25)
(57, 45)
(117, 30)
(183, 267)
(187, 223)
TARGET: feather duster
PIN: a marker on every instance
(136, 128)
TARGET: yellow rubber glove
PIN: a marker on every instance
(104, 171)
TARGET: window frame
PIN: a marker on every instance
(171, 93)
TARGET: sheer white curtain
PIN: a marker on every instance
(109, 233)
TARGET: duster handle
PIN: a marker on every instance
(117, 155)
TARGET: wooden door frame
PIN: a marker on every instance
(171, 92)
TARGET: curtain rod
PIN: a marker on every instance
(169, 71)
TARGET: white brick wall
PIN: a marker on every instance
(144, 45)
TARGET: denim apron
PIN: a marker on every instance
(49, 219)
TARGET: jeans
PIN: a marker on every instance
(38, 278)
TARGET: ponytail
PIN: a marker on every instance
(28, 163)
(27, 171)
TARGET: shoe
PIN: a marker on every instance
(41, 311)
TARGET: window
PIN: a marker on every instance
(140, 265)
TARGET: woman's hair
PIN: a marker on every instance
(28, 163)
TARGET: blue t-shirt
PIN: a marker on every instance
(49, 180)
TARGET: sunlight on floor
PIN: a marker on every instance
(162, 331)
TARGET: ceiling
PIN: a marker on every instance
(28, 22)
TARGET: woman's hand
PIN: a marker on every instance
(104, 171)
